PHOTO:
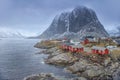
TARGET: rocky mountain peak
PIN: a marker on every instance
(84, 11)
(80, 20)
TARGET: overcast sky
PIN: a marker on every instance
(34, 16)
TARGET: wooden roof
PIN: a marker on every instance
(77, 46)
(98, 48)
(68, 44)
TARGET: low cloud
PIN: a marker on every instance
(34, 13)
(21, 31)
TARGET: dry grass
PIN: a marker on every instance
(116, 51)
(88, 45)
(46, 44)
(101, 44)
(115, 54)
(50, 43)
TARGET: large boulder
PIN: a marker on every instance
(116, 74)
(86, 69)
(42, 76)
(79, 66)
(94, 71)
(50, 76)
(62, 59)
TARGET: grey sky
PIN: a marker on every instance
(34, 16)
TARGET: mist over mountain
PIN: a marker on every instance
(115, 32)
(80, 22)
(10, 34)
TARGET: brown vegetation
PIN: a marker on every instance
(47, 44)
(115, 54)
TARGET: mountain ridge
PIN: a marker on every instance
(79, 19)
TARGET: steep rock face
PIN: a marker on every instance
(80, 20)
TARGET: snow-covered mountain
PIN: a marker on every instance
(114, 33)
(10, 34)
(80, 22)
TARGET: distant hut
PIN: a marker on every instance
(86, 41)
(100, 50)
(90, 39)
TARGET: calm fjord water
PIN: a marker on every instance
(18, 60)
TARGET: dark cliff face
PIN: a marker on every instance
(79, 19)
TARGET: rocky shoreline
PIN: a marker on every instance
(50, 76)
(85, 66)
(42, 76)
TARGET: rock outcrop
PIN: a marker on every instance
(42, 76)
(62, 59)
(50, 76)
(86, 66)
